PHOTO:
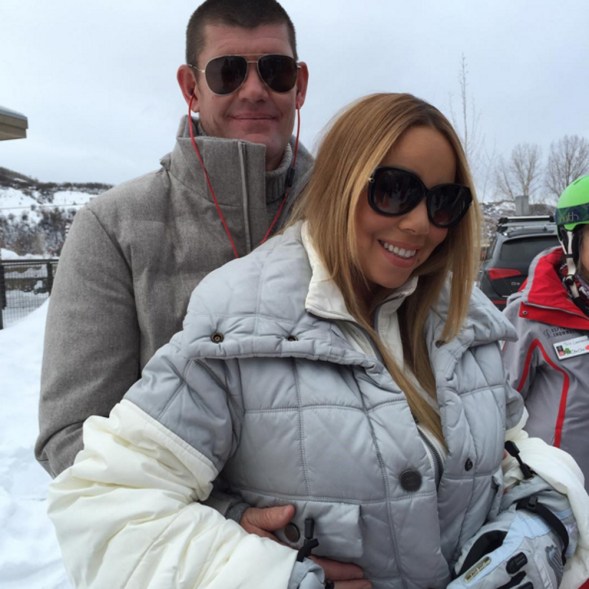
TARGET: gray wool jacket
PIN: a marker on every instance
(266, 392)
(131, 259)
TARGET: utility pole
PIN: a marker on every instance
(522, 204)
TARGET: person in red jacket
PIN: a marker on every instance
(549, 363)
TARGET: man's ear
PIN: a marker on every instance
(302, 81)
(187, 83)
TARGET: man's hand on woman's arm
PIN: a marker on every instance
(263, 521)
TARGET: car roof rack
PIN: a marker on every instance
(520, 222)
(519, 219)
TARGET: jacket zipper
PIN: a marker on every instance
(245, 199)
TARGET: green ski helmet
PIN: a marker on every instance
(572, 211)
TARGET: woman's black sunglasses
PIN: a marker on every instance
(393, 192)
(227, 73)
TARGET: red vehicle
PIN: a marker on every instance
(516, 243)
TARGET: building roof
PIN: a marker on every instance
(13, 125)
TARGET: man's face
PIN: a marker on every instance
(254, 112)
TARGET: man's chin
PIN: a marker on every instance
(265, 134)
(256, 138)
(262, 130)
(273, 144)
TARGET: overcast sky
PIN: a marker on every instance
(97, 79)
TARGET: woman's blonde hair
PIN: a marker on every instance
(353, 146)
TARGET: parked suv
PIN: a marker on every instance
(517, 241)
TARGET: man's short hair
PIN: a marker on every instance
(246, 14)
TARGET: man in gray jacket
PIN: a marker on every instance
(134, 254)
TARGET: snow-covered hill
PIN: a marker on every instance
(34, 215)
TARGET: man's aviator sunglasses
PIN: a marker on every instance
(227, 73)
(393, 192)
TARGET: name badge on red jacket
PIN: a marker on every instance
(572, 347)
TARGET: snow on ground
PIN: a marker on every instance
(10, 255)
(29, 555)
(66, 199)
(16, 202)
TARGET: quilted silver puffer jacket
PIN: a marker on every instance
(288, 411)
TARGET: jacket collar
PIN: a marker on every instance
(224, 157)
(230, 171)
(275, 179)
(237, 171)
(325, 299)
(544, 297)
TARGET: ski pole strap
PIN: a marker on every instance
(533, 505)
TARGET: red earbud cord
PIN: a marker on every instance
(289, 180)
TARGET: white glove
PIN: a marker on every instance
(518, 550)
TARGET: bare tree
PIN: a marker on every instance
(520, 175)
(466, 123)
(568, 159)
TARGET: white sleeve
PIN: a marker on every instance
(127, 515)
(560, 470)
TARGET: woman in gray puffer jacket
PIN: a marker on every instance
(345, 367)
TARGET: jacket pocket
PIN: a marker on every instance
(337, 526)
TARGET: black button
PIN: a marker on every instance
(410, 480)
(217, 337)
(292, 338)
(468, 464)
(292, 533)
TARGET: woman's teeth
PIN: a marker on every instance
(399, 251)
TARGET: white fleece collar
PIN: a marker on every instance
(325, 299)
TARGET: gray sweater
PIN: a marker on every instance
(130, 262)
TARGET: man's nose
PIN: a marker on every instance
(253, 86)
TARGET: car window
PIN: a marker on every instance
(524, 250)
